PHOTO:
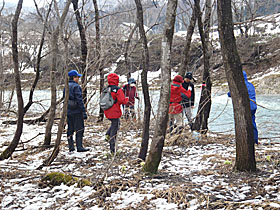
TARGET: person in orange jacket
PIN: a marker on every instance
(175, 107)
(114, 113)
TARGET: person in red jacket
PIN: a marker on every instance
(130, 92)
(175, 107)
(114, 113)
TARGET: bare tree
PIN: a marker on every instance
(98, 52)
(54, 47)
(187, 45)
(84, 49)
(55, 151)
(245, 11)
(145, 86)
(38, 61)
(201, 120)
(12, 146)
(1, 57)
(155, 152)
(245, 151)
(126, 48)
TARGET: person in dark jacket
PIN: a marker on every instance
(76, 113)
(175, 107)
(188, 103)
(114, 113)
(130, 92)
(253, 105)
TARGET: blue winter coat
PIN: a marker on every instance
(75, 94)
(253, 106)
(251, 92)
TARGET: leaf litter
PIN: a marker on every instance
(196, 172)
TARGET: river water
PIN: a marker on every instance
(221, 116)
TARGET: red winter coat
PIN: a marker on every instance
(115, 111)
(175, 98)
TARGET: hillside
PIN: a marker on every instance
(259, 54)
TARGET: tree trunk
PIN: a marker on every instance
(54, 47)
(187, 46)
(127, 43)
(83, 49)
(12, 146)
(55, 151)
(36, 79)
(98, 55)
(1, 60)
(207, 22)
(145, 86)
(1, 69)
(201, 120)
(155, 153)
(245, 151)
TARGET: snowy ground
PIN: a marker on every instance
(195, 173)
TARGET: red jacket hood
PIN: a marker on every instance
(113, 79)
(178, 78)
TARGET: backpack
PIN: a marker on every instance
(106, 99)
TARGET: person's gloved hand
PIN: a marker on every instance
(84, 116)
(228, 94)
(137, 97)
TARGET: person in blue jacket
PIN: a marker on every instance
(76, 113)
(253, 105)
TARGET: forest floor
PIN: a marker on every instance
(196, 172)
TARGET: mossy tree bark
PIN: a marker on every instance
(154, 157)
(245, 150)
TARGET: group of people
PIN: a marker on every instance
(76, 113)
(125, 96)
(181, 103)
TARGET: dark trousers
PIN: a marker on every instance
(75, 123)
(256, 135)
(112, 132)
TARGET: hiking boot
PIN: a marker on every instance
(82, 150)
(79, 143)
(70, 144)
